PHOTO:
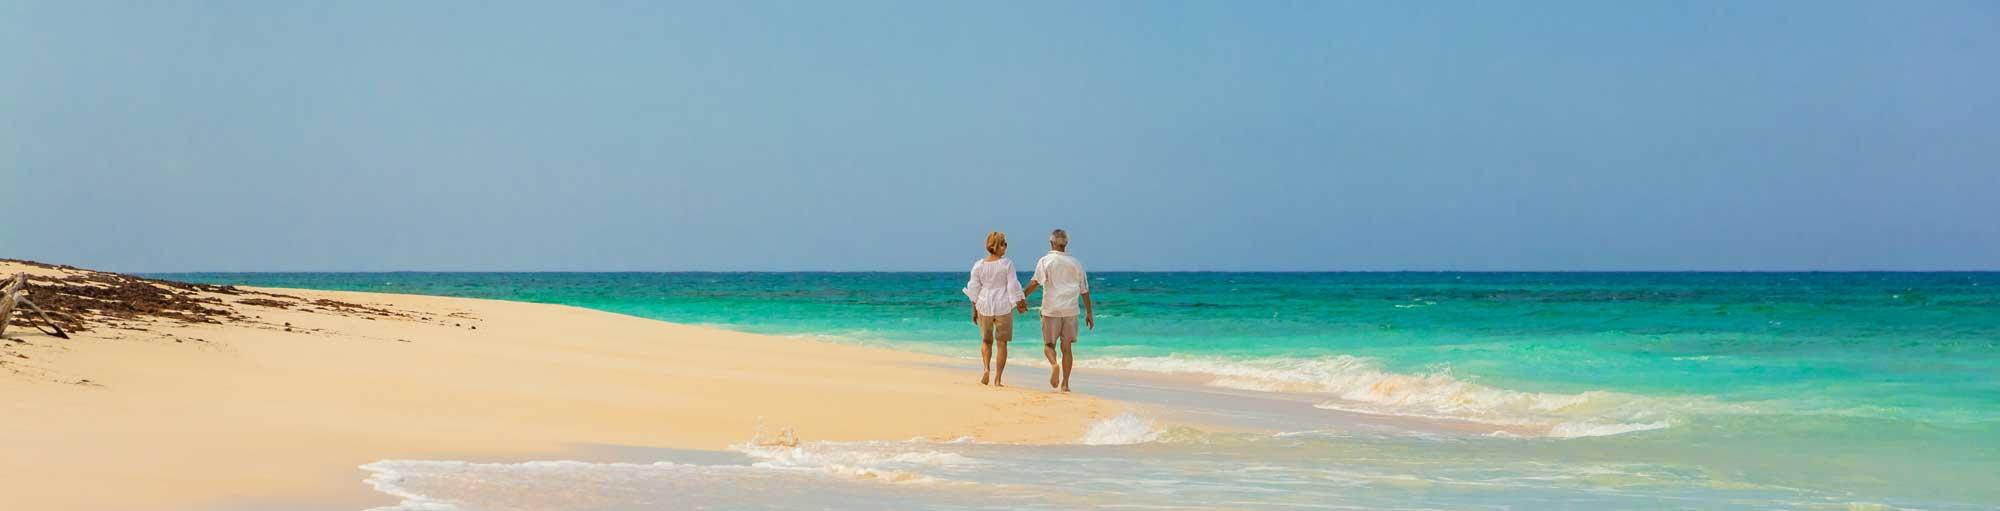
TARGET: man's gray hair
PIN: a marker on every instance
(1059, 237)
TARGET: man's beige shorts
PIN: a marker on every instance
(996, 328)
(1058, 330)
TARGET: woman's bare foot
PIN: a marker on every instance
(983, 377)
(996, 383)
(1065, 389)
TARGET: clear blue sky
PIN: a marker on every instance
(264, 135)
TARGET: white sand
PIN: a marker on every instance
(199, 416)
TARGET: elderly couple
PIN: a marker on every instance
(996, 295)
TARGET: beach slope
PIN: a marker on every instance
(210, 397)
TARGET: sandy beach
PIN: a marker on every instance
(278, 400)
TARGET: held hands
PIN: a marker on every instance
(1090, 321)
(1021, 306)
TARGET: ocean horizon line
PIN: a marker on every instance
(1120, 271)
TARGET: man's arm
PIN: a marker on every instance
(1089, 316)
(1083, 283)
(1035, 281)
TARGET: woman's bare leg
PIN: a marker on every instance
(985, 361)
(985, 353)
(1000, 365)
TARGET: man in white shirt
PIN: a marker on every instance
(1064, 283)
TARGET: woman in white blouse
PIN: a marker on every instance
(994, 289)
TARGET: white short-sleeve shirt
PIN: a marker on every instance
(1062, 279)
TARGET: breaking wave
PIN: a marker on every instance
(883, 461)
(1359, 385)
(1124, 429)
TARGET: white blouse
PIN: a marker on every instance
(994, 288)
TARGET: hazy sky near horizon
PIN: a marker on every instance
(262, 136)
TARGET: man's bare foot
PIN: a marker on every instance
(983, 377)
(1055, 376)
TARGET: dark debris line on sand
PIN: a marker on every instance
(86, 297)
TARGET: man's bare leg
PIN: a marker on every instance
(1068, 361)
(1055, 367)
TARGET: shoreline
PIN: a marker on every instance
(283, 403)
(255, 398)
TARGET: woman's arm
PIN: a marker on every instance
(1014, 289)
(972, 290)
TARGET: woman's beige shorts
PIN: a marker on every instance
(996, 328)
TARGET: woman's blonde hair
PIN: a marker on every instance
(993, 242)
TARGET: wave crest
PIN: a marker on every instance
(885, 461)
(1124, 429)
(1359, 385)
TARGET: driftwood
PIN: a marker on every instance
(7, 299)
(15, 295)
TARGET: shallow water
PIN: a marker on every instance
(1738, 390)
(1124, 462)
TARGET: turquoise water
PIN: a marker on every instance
(1801, 389)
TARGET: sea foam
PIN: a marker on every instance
(414, 481)
(1125, 428)
(901, 462)
(1359, 385)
